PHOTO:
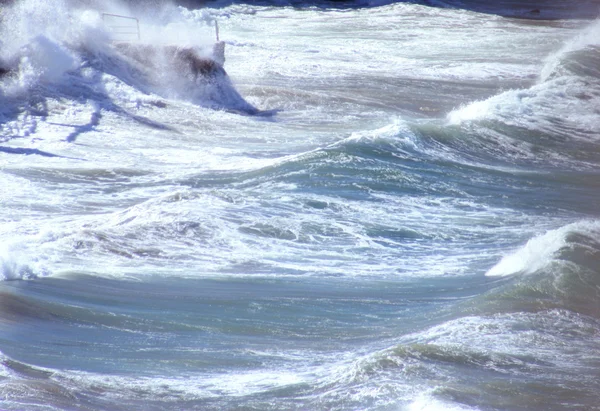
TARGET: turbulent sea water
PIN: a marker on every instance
(382, 206)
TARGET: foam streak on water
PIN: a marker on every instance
(376, 205)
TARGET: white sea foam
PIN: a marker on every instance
(427, 402)
(559, 97)
(397, 130)
(43, 42)
(17, 264)
(588, 36)
(161, 187)
(48, 59)
(474, 111)
(511, 338)
(540, 251)
(187, 387)
(535, 255)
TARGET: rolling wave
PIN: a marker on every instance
(558, 269)
(554, 122)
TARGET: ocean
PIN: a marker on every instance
(376, 205)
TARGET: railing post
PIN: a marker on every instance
(126, 30)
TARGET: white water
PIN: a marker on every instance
(412, 222)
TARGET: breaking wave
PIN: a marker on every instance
(58, 51)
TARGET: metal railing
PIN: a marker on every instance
(128, 27)
(123, 27)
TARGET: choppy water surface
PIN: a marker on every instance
(387, 206)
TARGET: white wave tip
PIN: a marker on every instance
(533, 256)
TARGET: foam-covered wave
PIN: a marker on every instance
(18, 263)
(366, 191)
(499, 348)
(541, 251)
(559, 269)
(556, 119)
(586, 39)
(62, 51)
(35, 386)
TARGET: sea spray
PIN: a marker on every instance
(16, 265)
